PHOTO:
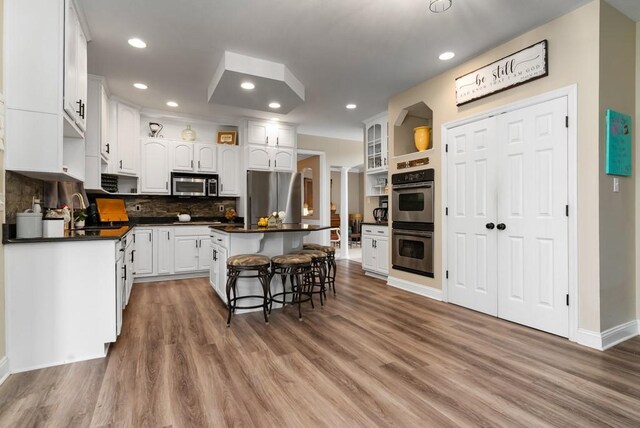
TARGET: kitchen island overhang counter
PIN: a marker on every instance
(228, 240)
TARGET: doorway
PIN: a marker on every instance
(507, 239)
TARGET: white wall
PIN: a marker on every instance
(339, 152)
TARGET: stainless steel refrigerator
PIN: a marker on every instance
(274, 191)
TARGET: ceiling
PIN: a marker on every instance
(631, 8)
(342, 51)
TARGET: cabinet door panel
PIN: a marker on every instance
(368, 259)
(128, 124)
(213, 269)
(71, 61)
(206, 159)
(283, 160)
(229, 171)
(164, 246)
(185, 254)
(382, 255)
(155, 167)
(183, 157)
(105, 144)
(258, 133)
(204, 252)
(259, 158)
(143, 258)
(285, 136)
(81, 81)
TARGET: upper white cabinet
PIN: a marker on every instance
(194, 157)
(270, 146)
(127, 126)
(49, 140)
(271, 134)
(230, 173)
(97, 146)
(155, 167)
(75, 64)
(376, 143)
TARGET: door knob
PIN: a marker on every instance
(490, 226)
(501, 226)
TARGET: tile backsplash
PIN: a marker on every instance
(19, 193)
(166, 206)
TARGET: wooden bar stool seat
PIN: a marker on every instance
(331, 263)
(237, 265)
(295, 267)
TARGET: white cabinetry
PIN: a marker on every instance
(230, 173)
(50, 142)
(97, 145)
(164, 251)
(75, 64)
(143, 259)
(376, 143)
(129, 254)
(218, 270)
(155, 167)
(375, 249)
(270, 146)
(194, 157)
(191, 253)
(128, 139)
(270, 134)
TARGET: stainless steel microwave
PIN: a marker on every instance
(194, 185)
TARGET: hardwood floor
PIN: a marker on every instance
(375, 356)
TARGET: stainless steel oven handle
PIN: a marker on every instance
(416, 233)
(428, 185)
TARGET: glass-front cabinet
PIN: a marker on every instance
(376, 139)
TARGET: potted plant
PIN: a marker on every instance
(80, 218)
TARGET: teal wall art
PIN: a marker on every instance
(618, 151)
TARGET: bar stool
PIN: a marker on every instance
(319, 269)
(331, 262)
(247, 263)
(295, 267)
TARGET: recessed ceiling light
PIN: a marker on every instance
(274, 105)
(351, 106)
(247, 85)
(140, 86)
(274, 119)
(446, 56)
(137, 43)
(172, 104)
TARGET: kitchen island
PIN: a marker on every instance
(229, 240)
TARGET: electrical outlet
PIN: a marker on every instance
(138, 208)
(616, 185)
(221, 208)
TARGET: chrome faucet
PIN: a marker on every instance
(72, 226)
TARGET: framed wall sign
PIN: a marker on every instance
(227, 137)
(618, 151)
(521, 67)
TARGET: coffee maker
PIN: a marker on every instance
(380, 214)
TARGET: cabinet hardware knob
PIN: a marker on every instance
(108, 148)
(490, 226)
(501, 226)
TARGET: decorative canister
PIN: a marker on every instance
(421, 137)
(188, 134)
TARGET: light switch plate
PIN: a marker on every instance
(616, 185)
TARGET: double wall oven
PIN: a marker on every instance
(412, 228)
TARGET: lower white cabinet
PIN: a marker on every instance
(218, 270)
(129, 253)
(375, 249)
(143, 256)
(186, 253)
(164, 246)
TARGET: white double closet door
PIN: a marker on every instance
(507, 226)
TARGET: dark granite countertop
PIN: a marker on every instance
(290, 227)
(114, 231)
(375, 223)
(89, 234)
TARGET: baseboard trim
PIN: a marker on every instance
(141, 279)
(59, 363)
(375, 275)
(619, 333)
(430, 292)
(609, 337)
(4, 369)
